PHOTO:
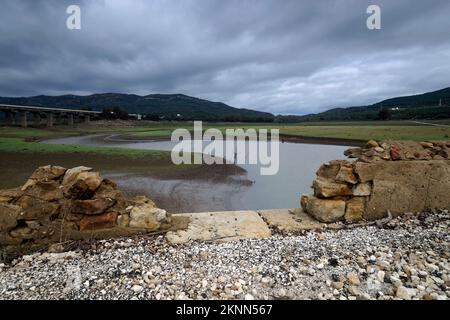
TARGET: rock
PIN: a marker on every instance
(92, 207)
(346, 174)
(353, 279)
(101, 221)
(45, 190)
(354, 210)
(405, 293)
(36, 209)
(137, 288)
(372, 144)
(330, 169)
(395, 153)
(82, 185)
(362, 189)
(147, 217)
(8, 216)
(328, 188)
(426, 144)
(353, 152)
(379, 149)
(47, 173)
(123, 220)
(337, 285)
(325, 210)
(248, 296)
(71, 174)
(21, 232)
(91, 179)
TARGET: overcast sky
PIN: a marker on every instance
(281, 56)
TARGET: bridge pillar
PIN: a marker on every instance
(9, 118)
(23, 119)
(49, 119)
(70, 120)
(37, 119)
(87, 118)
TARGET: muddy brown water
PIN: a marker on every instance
(226, 190)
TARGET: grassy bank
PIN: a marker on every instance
(380, 130)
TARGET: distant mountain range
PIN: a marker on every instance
(166, 106)
(430, 105)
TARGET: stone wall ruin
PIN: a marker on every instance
(57, 204)
(399, 176)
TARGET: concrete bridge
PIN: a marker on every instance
(52, 115)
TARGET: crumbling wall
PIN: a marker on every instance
(399, 176)
(57, 204)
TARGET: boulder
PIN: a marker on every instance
(147, 217)
(372, 144)
(8, 216)
(36, 209)
(362, 189)
(101, 221)
(354, 209)
(353, 152)
(48, 173)
(346, 174)
(45, 190)
(93, 206)
(71, 175)
(123, 220)
(83, 185)
(325, 210)
(328, 188)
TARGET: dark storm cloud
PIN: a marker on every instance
(278, 56)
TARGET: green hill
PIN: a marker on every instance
(167, 106)
(430, 105)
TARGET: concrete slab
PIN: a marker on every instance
(290, 220)
(220, 226)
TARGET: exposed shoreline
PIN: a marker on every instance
(127, 137)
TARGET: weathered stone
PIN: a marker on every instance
(220, 226)
(346, 174)
(123, 220)
(5, 199)
(36, 209)
(79, 190)
(9, 195)
(325, 210)
(45, 190)
(330, 169)
(354, 210)
(71, 175)
(92, 179)
(426, 144)
(353, 279)
(8, 216)
(289, 220)
(21, 232)
(93, 206)
(395, 153)
(372, 144)
(101, 221)
(406, 186)
(328, 188)
(379, 149)
(47, 173)
(147, 217)
(353, 152)
(362, 189)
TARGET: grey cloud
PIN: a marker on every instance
(287, 56)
